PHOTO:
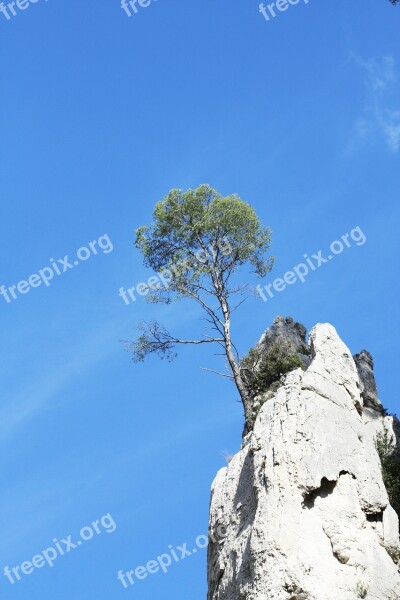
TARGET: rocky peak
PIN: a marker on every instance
(369, 392)
(286, 332)
(303, 506)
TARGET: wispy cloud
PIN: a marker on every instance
(381, 112)
(27, 402)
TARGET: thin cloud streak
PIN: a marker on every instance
(382, 85)
(36, 398)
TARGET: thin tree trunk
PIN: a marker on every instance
(241, 387)
(235, 368)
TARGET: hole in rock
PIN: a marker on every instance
(375, 517)
(326, 489)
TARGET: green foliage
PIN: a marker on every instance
(390, 468)
(151, 334)
(196, 243)
(394, 554)
(201, 234)
(261, 370)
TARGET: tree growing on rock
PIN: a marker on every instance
(390, 462)
(262, 369)
(198, 241)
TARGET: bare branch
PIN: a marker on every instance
(156, 339)
(237, 305)
(217, 373)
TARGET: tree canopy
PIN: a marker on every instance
(197, 242)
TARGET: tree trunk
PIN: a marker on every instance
(235, 368)
(241, 387)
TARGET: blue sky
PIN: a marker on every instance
(101, 116)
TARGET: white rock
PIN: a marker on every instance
(303, 504)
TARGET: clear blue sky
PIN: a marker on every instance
(101, 115)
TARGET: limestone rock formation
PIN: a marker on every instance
(303, 506)
(365, 367)
(285, 331)
(373, 412)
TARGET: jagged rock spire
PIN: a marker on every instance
(369, 392)
(303, 506)
(285, 331)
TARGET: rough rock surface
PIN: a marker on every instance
(373, 413)
(285, 331)
(303, 507)
(391, 424)
(365, 367)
